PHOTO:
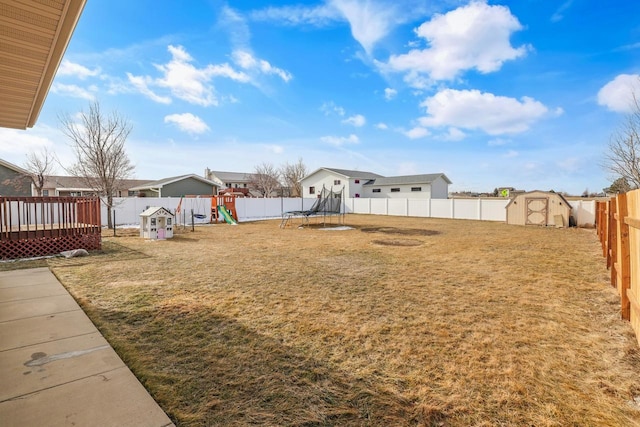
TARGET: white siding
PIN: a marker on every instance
(439, 189)
(404, 193)
(326, 178)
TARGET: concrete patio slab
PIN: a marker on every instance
(42, 329)
(55, 366)
(100, 400)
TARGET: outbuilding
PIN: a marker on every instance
(156, 223)
(539, 208)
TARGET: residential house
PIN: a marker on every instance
(336, 179)
(14, 181)
(236, 183)
(371, 185)
(178, 186)
(425, 186)
(64, 186)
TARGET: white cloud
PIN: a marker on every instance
(275, 149)
(340, 140)
(187, 122)
(357, 120)
(14, 141)
(73, 91)
(472, 109)
(370, 21)
(497, 142)
(454, 134)
(68, 68)
(298, 15)
(329, 108)
(141, 84)
(559, 13)
(247, 61)
(475, 36)
(417, 132)
(382, 126)
(511, 154)
(389, 94)
(617, 95)
(184, 80)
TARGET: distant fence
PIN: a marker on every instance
(127, 209)
(37, 226)
(618, 227)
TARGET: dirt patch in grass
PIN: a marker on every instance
(397, 242)
(400, 231)
(483, 324)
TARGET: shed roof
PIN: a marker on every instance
(408, 179)
(549, 193)
(35, 35)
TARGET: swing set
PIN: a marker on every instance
(223, 208)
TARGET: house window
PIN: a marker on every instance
(312, 190)
(416, 188)
(357, 181)
(45, 192)
(131, 193)
(375, 190)
(395, 190)
(336, 182)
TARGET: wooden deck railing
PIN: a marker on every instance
(618, 228)
(37, 226)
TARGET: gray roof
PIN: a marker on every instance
(76, 183)
(162, 182)
(408, 179)
(352, 173)
(232, 176)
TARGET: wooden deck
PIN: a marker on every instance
(38, 226)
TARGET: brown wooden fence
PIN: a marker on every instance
(618, 227)
(37, 226)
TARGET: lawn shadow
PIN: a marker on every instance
(213, 370)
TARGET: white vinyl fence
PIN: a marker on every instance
(127, 209)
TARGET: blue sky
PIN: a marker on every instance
(493, 93)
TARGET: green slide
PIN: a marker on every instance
(227, 215)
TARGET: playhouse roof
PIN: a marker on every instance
(156, 210)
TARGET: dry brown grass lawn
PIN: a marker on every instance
(399, 321)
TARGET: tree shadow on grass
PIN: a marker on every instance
(207, 369)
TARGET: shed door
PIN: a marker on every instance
(537, 210)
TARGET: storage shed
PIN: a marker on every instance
(156, 223)
(539, 208)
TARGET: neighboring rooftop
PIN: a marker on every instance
(408, 179)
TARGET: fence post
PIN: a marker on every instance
(611, 241)
(624, 258)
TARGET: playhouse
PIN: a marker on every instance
(156, 223)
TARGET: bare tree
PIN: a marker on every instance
(265, 180)
(291, 176)
(101, 160)
(39, 165)
(623, 156)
